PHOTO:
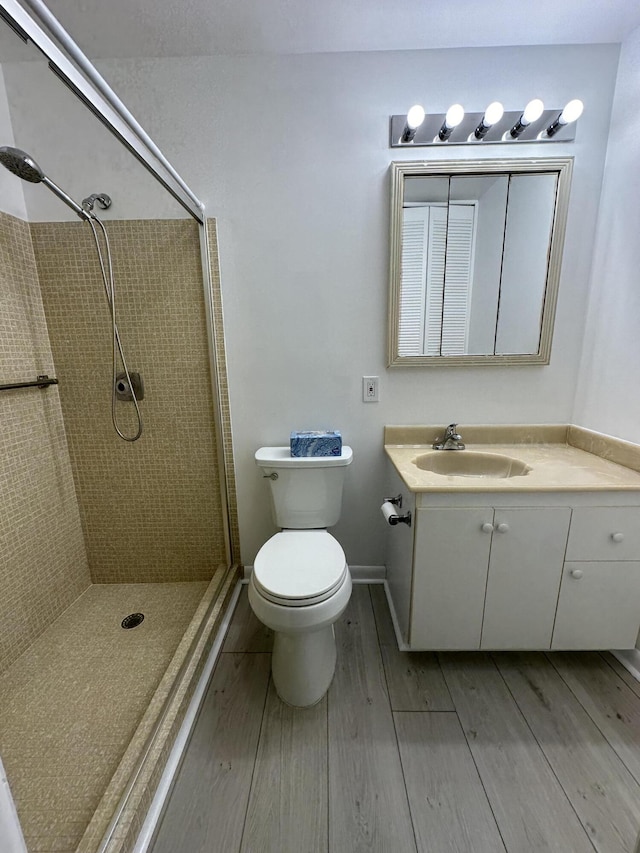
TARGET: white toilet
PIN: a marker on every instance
(300, 582)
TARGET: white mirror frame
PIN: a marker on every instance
(563, 167)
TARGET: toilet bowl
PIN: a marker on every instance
(300, 582)
(300, 585)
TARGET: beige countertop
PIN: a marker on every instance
(561, 458)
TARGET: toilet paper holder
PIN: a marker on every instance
(397, 519)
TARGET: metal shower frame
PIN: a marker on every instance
(75, 70)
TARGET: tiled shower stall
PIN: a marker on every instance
(93, 528)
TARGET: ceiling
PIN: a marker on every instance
(166, 28)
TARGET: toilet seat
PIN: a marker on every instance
(297, 568)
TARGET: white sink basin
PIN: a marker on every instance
(470, 463)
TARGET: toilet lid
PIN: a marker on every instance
(299, 567)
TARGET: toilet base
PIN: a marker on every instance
(304, 647)
(302, 665)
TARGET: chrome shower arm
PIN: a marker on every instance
(55, 189)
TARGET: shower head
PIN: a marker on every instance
(21, 164)
(25, 167)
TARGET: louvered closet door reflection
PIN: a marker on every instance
(458, 279)
(437, 244)
(415, 229)
(424, 239)
(436, 296)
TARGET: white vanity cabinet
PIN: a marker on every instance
(487, 577)
(524, 571)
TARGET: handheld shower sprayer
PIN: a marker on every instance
(24, 166)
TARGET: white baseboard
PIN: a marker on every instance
(368, 574)
(630, 660)
(359, 574)
(396, 625)
(173, 762)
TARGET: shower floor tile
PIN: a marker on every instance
(71, 703)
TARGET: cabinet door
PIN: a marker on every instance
(451, 559)
(525, 569)
(599, 606)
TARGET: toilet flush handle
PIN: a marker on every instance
(272, 476)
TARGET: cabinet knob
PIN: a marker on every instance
(502, 527)
(487, 527)
(576, 573)
(617, 537)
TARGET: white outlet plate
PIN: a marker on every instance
(370, 389)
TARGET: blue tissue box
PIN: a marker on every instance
(316, 443)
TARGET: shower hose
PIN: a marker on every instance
(116, 345)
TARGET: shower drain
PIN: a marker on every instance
(132, 620)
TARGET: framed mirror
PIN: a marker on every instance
(476, 249)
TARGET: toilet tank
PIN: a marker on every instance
(307, 491)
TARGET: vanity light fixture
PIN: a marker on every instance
(569, 114)
(454, 116)
(494, 126)
(415, 117)
(492, 115)
(531, 113)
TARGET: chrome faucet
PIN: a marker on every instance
(452, 440)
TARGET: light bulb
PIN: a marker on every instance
(415, 116)
(493, 113)
(454, 116)
(532, 111)
(571, 112)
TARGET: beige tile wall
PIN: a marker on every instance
(151, 510)
(43, 564)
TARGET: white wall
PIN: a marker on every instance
(608, 397)
(11, 189)
(76, 151)
(291, 155)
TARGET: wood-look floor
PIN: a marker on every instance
(410, 752)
